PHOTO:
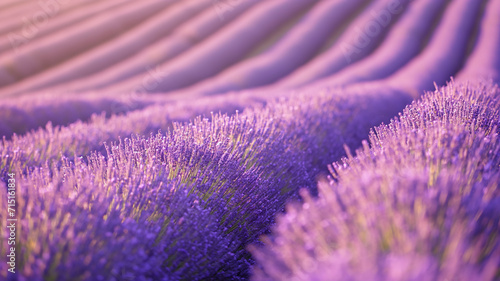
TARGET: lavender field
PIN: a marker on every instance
(288, 140)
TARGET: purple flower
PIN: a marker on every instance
(420, 204)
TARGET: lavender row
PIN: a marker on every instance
(429, 61)
(403, 42)
(223, 49)
(53, 140)
(296, 47)
(22, 115)
(111, 52)
(235, 172)
(33, 58)
(361, 37)
(484, 62)
(445, 53)
(419, 203)
(96, 231)
(182, 39)
(440, 59)
(62, 16)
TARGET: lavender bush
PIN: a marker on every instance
(420, 203)
(125, 233)
(240, 171)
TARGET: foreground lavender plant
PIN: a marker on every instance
(112, 234)
(421, 204)
(200, 193)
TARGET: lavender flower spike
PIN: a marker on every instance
(422, 203)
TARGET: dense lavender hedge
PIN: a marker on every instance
(29, 59)
(420, 203)
(484, 61)
(299, 45)
(403, 42)
(108, 54)
(238, 172)
(182, 39)
(20, 116)
(222, 50)
(442, 56)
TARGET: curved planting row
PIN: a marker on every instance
(297, 46)
(187, 47)
(362, 36)
(402, 44)
(182, 39)
(241, 170)
(435, 64)
(19, 28)
(419, 203)
(484, 62)
(295, 59)
(29, 59)
(446, 50)
(223, 49)
(109, 53)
